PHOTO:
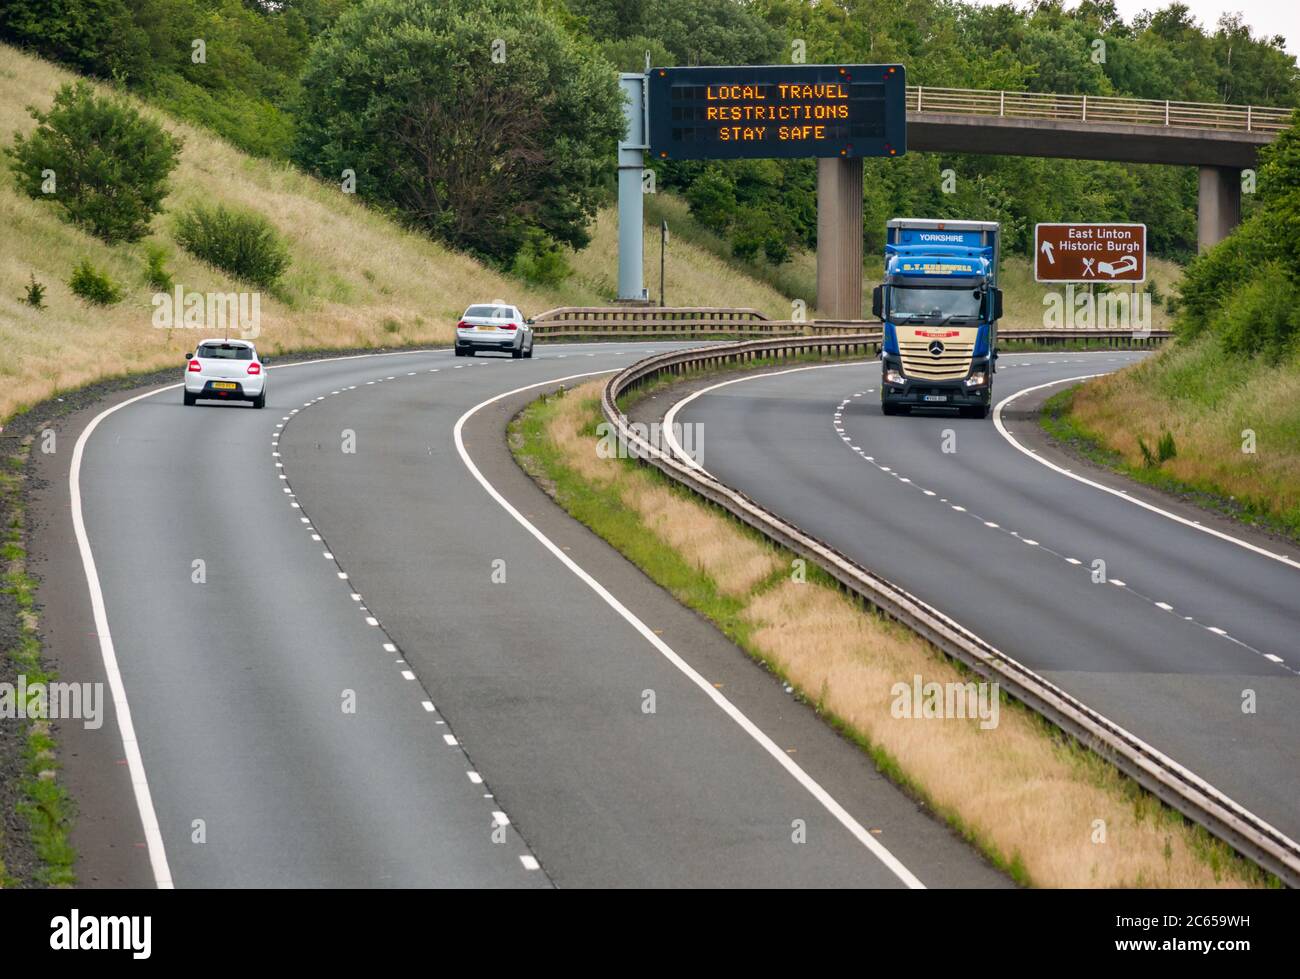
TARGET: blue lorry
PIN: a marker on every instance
(940, 304)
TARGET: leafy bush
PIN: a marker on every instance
(242, 243)
(155, 271)
(540, 261)
(1260, 317)
(93, 285)
(99, 159)
(35, 296)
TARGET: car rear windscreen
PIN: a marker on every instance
(492, 312)
(222, 351)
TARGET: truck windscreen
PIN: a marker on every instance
(933, 304)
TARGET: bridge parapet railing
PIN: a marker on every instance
(1098, 108)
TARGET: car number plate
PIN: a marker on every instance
(224, 385)
(936, 397)
(484, 326)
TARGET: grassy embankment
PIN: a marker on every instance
(1208, 407)
(1026, 797)
(357, 278)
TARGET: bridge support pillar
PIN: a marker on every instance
(631, 166)
(839, 238)
(1218, 208)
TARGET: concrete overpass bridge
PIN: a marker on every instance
(1220, 140)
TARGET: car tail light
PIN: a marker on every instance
(462, 325)
(194, 366)
(254, 368)
(510, 326)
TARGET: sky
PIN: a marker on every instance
(1265, 17)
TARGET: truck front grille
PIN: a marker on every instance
(952, 364)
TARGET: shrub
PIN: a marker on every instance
(242, 243)
(541, 262)
(93, 285)
(35, 294)
(1259, 317)
(155, 270)
(99, 159)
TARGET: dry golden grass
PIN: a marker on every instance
(357, 279)
(1026, 797)
(694, 276)
(734, 561)
(1206, 401)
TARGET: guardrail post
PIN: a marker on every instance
(918, 98)
(1002, 103)
(1085, 108)
(1166, 112)
(1248, 108)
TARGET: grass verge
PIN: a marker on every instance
(1221, 432)
(1037, 804)
(28, 751)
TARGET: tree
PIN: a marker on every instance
(99, 159)
(479, 120)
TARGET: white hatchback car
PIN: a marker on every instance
(225, 370)
(494, 326)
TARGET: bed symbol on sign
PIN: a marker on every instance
(936, 348)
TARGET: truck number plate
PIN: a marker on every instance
(936, 397)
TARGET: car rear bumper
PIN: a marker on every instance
(245, 388)
(488, 341)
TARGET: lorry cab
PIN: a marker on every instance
(940, 305)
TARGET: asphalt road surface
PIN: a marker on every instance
(327, 686)
(1183, 631)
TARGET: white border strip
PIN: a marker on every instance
(803, 778)
(1002, 430)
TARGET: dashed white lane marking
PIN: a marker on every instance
(450, 739)
(407, 675)
(427, 705)
(529, 862)
(389, 647)
(997, 422)
(500, 818)
(371, 620)
(877, 849)
(1169, 608)
(475, 777)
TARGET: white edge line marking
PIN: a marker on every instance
(130, 744)
(671, 417)
(749, 727)
(997, 422)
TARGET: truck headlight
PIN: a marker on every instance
(894, 377)
(976, 380)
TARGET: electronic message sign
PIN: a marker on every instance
(777, 111)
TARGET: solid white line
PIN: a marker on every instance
(997, 422)
(749, 727)
(130, 745)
